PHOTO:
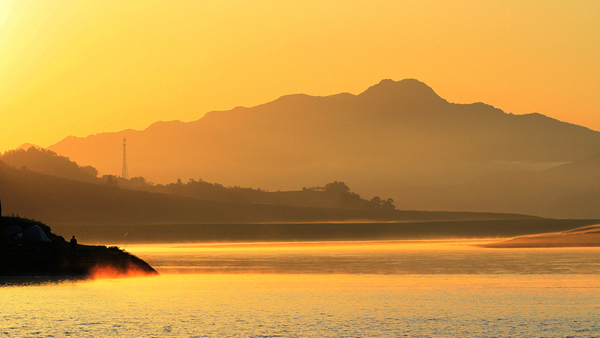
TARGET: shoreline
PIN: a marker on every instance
(48, 256)
(584, 237)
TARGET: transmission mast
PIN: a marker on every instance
(125, 174)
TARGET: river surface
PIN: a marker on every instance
(359, 289)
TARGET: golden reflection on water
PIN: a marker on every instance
(313, 246)
(390, 257)
(303, 305)
(349, 289)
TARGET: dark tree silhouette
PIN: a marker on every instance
(111, 180)
(48, 162)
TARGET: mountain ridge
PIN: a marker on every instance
(392, 135)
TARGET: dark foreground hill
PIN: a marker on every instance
(105, 214)
(331, 195)
(22, 257)
(60, 200)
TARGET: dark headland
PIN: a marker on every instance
(31, 255)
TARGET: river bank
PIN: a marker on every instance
(50, 256)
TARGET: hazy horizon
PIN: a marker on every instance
(81, 69)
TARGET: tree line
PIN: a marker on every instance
(333, 194)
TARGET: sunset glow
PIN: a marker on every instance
(236, 168)
(84, 67)
(311, 305)
(437, 245)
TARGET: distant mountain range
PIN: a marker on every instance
(397, 139)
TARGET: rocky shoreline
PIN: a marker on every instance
(28, 259)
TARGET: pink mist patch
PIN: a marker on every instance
(108, 271)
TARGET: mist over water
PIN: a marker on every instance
(352, 289)
(386, 258)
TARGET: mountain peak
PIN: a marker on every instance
(407, 91)
(26, 146)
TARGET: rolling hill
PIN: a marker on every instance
(55, 199)
(102, 213)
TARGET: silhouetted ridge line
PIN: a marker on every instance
(405, 92)
(394, 135)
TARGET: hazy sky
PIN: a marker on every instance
(77, 67)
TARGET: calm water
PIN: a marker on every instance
(418, 289)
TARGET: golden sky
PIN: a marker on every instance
(79, 67)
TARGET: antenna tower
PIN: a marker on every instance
(125, 174)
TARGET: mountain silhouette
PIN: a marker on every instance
(401, 94)
(394, 135)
